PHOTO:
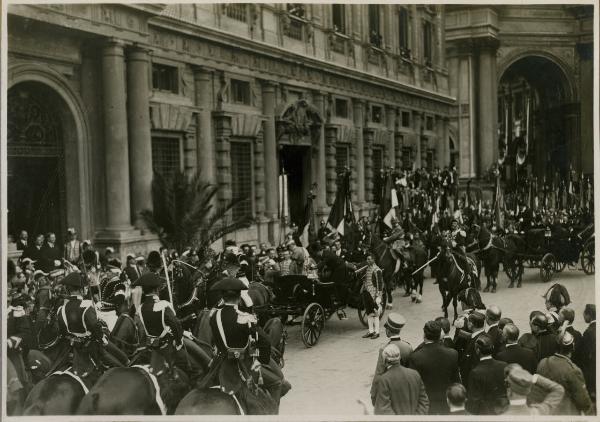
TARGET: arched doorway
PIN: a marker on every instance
(538, 120)
(36, 182)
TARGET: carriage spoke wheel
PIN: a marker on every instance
(547, 267)
(559, 266)
(588, 258)
(362, 315)
(312, 324)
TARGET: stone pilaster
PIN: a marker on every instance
(330, 164)
(270, 149)
(487, 108)
(398, 138)
(115, 138)
(222, 124)
(390, 154)
(140, 141)
(205, 147)
(416, 42)
(353, 164)
(418, 118)
(259, 175)
(445, 158)
(359, 166)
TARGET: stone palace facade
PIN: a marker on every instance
(102, 95)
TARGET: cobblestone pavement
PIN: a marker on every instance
(329, 377)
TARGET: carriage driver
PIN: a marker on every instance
(244, 350)
(164, 334)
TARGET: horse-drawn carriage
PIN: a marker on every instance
(552, 249)
(315, 301)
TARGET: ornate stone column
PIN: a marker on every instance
(416, 42)
(115, 138)
(368, 140)
(330, 140)
(487, 107)
(140, 140)
(205, 143)
(270, 154)
(222, 123)
(321, 178)
(359, 106)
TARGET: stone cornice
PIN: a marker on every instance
(307, 67)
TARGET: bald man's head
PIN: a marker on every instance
(493, 314)
(511, 333)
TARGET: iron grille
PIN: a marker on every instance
(166, 155)
(295, 29)
(377, 160)
(237, 11)
(342, 158)
(241, 178)
(406, 158)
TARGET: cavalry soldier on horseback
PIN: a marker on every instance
(79, 324)
(242, 348)
(396, 237)
(458, 236)
(164, 334)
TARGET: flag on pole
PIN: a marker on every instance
(499, 205)
(308, 229)
(389, 201)
(342, 206)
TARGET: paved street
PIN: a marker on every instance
(330, 377)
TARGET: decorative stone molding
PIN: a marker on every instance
(246, 125)
(259, 172)
(301, 122)
(170, 117)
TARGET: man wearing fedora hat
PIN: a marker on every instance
(561, 369)
(519, 384)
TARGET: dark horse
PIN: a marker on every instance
(414, 270)
(451, 278)
(494, 250)
(387, 262)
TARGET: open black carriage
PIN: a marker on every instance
(553, 250)
(315, 301)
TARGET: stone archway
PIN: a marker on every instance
(51, 136)
(538, 87)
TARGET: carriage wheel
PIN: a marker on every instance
(547, 266)
(588, 258)
(362, 316)
(312, 324)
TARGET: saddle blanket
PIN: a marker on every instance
(159, 401)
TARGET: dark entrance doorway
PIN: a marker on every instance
(536, 89)
(295, 162)
(35, 171)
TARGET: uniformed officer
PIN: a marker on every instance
(164, 334)
(394, 324)
(458, 236)
(561, 369)
(239, 341)
(396, 237)
(79, 323)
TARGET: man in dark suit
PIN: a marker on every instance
(447, 339)
(22, 242)
(515, 353)
(568, 315)
(437, 365)
(456, 395)
(34, 252)
(587, 350)
(519, 387)
(486, 389)
(399, 390)
(468, 358)
(51, 253)
(492, 318)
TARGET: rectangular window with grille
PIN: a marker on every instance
(166, 155)
(240, 92)
(241, 178)
(430, 159)
(376, 114)
(403, 31)
(237, 11)
(338, 12)
(342, 157)
(165, 78)
(377, 179)
(429, 123)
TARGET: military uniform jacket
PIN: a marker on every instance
(561, 369)
(237, 327)
(159, 320)
(77, 318)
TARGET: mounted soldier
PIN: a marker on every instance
(241, 350)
